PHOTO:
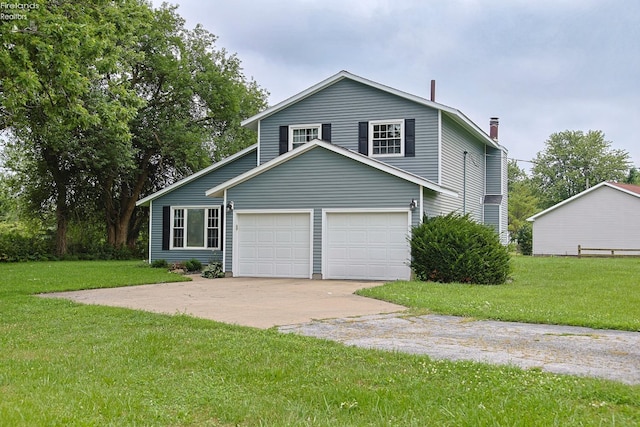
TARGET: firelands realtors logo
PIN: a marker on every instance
(16, 11)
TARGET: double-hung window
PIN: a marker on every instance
(386, 138)
(301, 134)
(195, 228)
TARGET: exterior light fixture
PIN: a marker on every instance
(230, 206)
(413, 204)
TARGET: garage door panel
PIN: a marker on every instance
(273, 244)
(367, 245)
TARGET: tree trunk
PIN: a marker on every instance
(61, 228)
(119, 215)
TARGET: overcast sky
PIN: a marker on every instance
(541, 66)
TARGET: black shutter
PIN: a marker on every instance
(410, 138)
(166, 227)
(363, 138)
(326, 132)
(223, 210)
(284, 139)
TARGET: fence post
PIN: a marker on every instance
(579, 251)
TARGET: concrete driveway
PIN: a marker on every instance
(260, 303)
(328, 309)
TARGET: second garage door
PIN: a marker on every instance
(273, 245)
(367, 246)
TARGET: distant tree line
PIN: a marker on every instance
(571, 162)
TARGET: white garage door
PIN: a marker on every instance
(273, 245)
(369, 246)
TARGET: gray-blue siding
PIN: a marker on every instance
(193, 194)
(346, 103)
(320, 179)
(455, 141)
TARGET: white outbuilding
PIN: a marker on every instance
(603, 220)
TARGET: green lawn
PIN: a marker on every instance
(601, 293)
(62, 363)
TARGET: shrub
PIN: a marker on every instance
(524, 237)
(17, 245)
(193, 265)
(454, 248)
(213, 271)
(160, 263)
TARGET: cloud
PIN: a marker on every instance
(542, 66)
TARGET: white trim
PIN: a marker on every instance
(178, 184)
(324, 261)
(223, 234)
(303, 126)
(421, 205)
(151, 228)
(458, 116)
(367, 210)
(234, 261)
(439, 147)
(571, 199)
(372, 123)
(206, 227)
(217, 191)
(258, 145)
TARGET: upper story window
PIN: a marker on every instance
(195, 228)
(386, 138)
(301, 134)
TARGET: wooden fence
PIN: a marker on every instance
(609, 251)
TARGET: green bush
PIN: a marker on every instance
(159, 263)
(193, 265)
(454, 248)
(213, 271)
(16, 245)
(524, 237)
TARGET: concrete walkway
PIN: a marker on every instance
(328, 309)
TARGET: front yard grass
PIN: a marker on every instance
(601, 293)
(64, 363)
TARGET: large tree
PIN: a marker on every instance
(110, 100)
(573, 161)
(53, 95)
(195, 97)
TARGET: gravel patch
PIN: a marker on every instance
(607, 354)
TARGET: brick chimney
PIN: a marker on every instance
(493, 128)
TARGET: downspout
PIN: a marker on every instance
(464, 183)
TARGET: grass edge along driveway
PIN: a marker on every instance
(64, 363)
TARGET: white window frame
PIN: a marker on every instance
(185, 226)
(387, 122)
(292, 128)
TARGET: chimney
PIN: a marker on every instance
(433, 91)
(493, 128)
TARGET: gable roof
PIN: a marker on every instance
(145, 201)
(633, 190)
(219, 190)
(627, 187)
(456, 115)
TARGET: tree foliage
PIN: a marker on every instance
(523, 201)
(633, 177)
(194, 99)
(56, 92)
(573, 161)
(107, 101)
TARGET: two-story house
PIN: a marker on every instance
(339, 175)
